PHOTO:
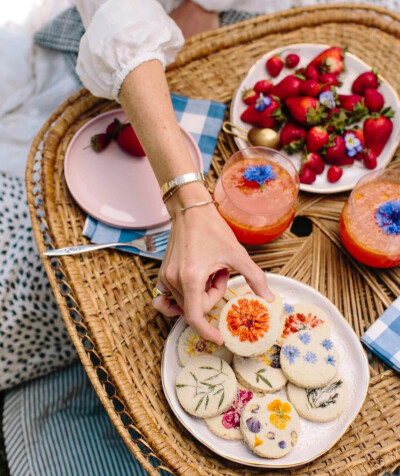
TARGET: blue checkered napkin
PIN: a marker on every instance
(383, 337)
(203, 120)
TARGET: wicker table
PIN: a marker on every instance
(105, 296)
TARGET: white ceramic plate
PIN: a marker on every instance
(112, 186)
(314, 438)
(355, 67)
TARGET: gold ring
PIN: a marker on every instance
(156, 292)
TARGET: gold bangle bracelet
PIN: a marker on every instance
(169, 188)
(200, 204)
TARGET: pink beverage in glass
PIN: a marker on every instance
(257, 194)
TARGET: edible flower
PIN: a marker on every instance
(262, 102)
(353, 144)
(388, 217)
(279, 416)
(259, 174)
(327, 99)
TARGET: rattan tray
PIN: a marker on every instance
(105, 296)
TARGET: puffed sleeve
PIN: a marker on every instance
(121, 35)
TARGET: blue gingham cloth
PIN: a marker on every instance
(383, 337)
(203, 120)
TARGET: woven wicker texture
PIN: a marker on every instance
(105, 296)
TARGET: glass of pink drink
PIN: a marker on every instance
(370, 220)
(257, 194)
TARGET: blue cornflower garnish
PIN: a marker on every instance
(259, 174)
(388, 217)
(353, 144)
(327, 344)
(327, 99)
(291, 353)
(330, 360)
(262, 102)
(305, 338)
(288, 308)
(310, 357)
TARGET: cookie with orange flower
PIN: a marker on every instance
(191, 344)
(270, 426)
(245, 289)
(206, 386)
(249, 325)
(309, 359)
(301, 317)
(260, 373)
(227, 425)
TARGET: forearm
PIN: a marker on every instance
(146, 100)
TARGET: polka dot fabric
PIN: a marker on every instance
(33, 338)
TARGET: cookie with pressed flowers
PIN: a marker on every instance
(246, 289)
(260, 373)
(320, 404)
(249, 325)
(206, 386)
(309, 359)
(191, 344)
(301, 317)
(270, 426)
(227, 425)
(213, 314)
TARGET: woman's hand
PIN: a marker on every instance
(200, 251)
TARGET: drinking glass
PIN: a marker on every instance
(370, 220)
(257, 194)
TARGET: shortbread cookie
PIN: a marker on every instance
(301, 317)
(246, 289)
(261, 373)
(191, 344)
(212, 316)
(270, 426)
(309, 359)
(320, 404)
(249, 325)
(227, 425)
(206, 386)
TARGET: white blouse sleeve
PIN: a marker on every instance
(121, 35)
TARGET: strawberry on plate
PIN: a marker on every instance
(377, 130)
(260, 113)
(317, 137)
(292, 136)
(128, 141)
(274, 65)
(288, 87)
(330, 60)
(306, 110)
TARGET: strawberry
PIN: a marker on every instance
(307, 175)
(129, 142)
(369, 159)
(377, 130)
(327, 87)
(373, 100)
(274, 66)
(335, 154)
(330, 60)
(292, 137)
(317, 137)
(348, 101)
(329, 79)
(263, 86)
(261, 118)
(113, 128)
(300, 71)
(311, 72)
(292, 60)
(334, 173)
(288, 87)
(310, 87)
(99, 142)
(249, 96)
(336, 120)
(314, 162)
(305, 109)
(365, 80)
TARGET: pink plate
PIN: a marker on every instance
(112, 186)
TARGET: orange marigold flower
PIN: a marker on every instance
(298, 322)
(248, 319)
(279, 416)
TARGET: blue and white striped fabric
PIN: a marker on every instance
(203, 120)
(56, 425)
(383, 337)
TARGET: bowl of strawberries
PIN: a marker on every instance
(336, 117)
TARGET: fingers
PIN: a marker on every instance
(254, 276)
(216, 290)
(164, 304)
